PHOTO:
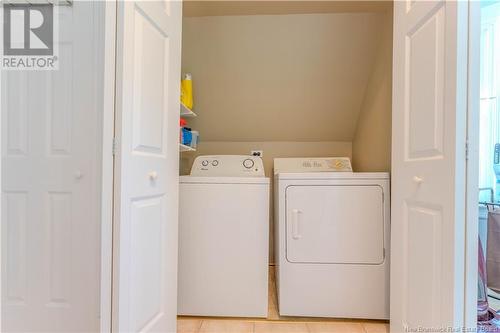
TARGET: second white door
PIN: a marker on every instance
(147, 165)
(428, 165)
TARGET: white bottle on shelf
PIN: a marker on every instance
(194, 139)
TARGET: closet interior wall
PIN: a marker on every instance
(296, 85)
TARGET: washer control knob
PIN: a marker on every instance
(248, 163)
(204, 163)
(215, 163)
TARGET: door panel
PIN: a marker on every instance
(51, 156)
(147, 275)
(16, 114)
(150, 86)
(335, 224)
(146, 186)
(425, 62)
(428, 164)
(59, 237)
(424, 253)
(15, 206)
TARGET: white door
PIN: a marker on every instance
(337, 224)
(50, 185)
(146, 174)
(428, 168)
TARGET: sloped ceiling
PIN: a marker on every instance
(279, 77)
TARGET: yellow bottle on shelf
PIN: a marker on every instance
(187, 91)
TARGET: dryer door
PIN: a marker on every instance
(337, 224)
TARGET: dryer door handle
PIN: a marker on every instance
(295, 224)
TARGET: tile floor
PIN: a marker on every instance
(198, 325)
(277, 324)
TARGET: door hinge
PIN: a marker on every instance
(114, 149)
(466, 150)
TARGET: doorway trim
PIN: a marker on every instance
(107, 182)
(472, 172)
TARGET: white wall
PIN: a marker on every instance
(371, 146)
(279, 77)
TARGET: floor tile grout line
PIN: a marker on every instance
(199, 327)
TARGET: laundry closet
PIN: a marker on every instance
(325, 139)
(288, 80)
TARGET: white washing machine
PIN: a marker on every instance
(332, 239)
(224, 238)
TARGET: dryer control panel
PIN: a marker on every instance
(228, 166)
(312, 164)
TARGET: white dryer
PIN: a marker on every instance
(332, 239)
(224, 238)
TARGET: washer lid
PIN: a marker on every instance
(223, 180)
(312, 164)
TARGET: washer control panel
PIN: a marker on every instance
(228, 166)
(312, 164)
